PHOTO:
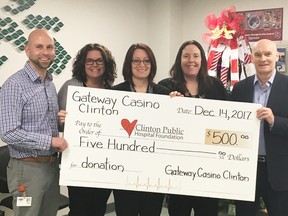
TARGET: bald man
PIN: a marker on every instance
(269, 88)
(29, 126)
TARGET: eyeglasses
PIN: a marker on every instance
(98, 61)
(138, 61)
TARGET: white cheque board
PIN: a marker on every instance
(155, 143)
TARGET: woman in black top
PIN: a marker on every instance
(93, 67)
(189, 77)
(139, 70)
(189, 74)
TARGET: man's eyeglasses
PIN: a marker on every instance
(98, 61)
(138, 61)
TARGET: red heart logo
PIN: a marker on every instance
(129, 127)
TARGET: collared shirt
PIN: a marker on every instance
(28, 113)
(261, 95)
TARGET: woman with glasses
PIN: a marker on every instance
(93, 67)
(189, 78)
(139, 70)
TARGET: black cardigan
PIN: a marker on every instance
(157, 89)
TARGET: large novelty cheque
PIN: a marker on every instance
(156, 143)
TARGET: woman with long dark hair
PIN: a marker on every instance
(189, 78)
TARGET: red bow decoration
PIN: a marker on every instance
(225, 28)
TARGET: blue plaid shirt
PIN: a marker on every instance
(28, 113)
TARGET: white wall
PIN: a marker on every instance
(115, 24)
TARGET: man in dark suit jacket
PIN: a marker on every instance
(269, 88)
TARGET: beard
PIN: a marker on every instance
(42, 65)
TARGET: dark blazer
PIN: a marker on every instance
(276, 138)
(157, 89)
